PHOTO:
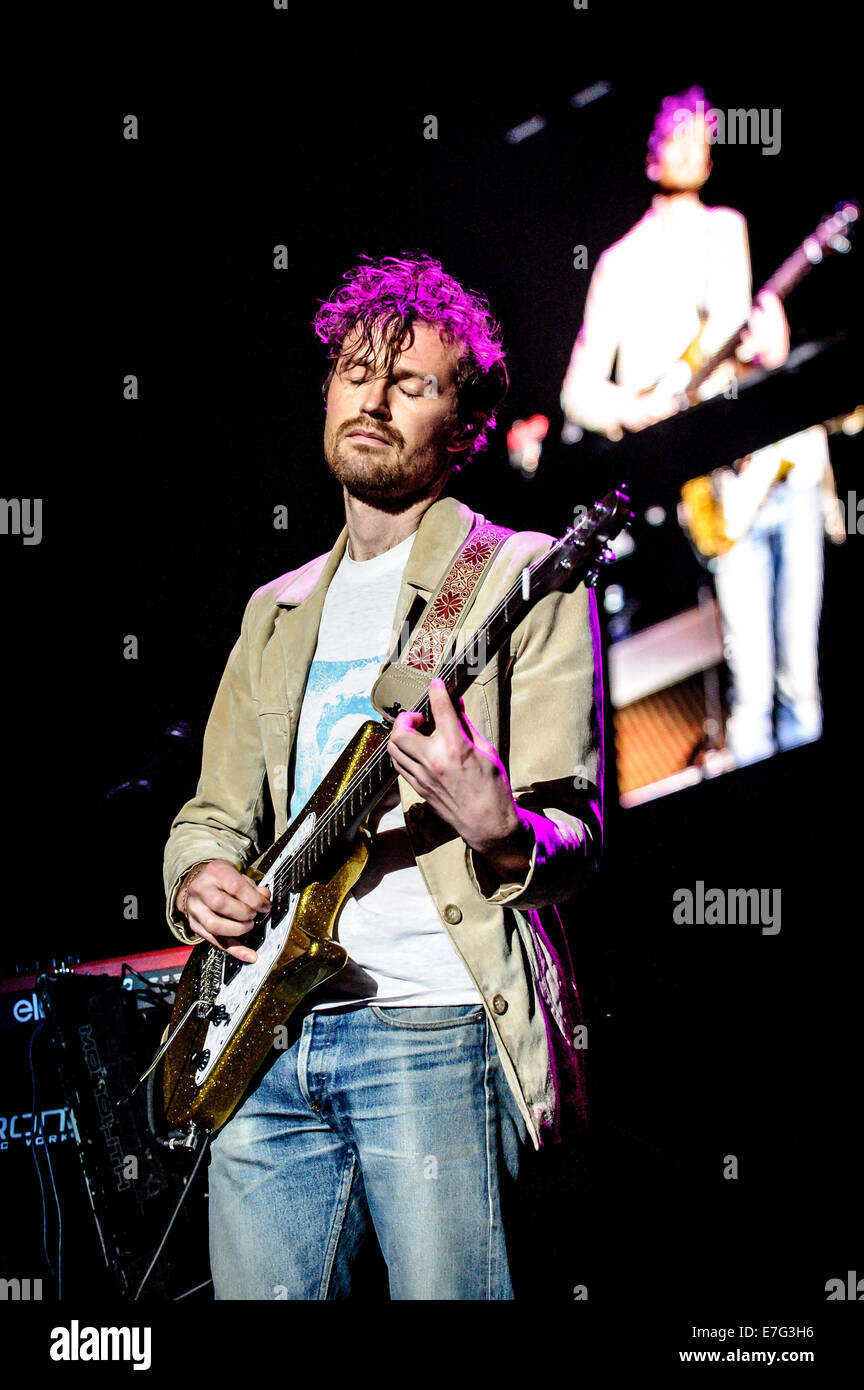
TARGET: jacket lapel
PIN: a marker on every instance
(442, 530)
(300, 604)
(301, 601)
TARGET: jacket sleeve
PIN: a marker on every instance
(223, 818)
(551, 741)
(588, 396)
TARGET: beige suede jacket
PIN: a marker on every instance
(539, 702)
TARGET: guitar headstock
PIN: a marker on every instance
(586, 544)
(831, 234)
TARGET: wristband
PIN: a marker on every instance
(187, 882)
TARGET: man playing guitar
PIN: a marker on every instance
(679, 277)
(409, 1081)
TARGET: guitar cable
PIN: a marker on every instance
(183, 1195)
(36, 1130)
(196, 1003)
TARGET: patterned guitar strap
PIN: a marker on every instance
(405, 680)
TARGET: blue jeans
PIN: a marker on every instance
(394, 1117)
(769, 586)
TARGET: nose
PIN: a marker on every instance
(374, 399)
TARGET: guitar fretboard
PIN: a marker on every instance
(784, 280)
(566, 558)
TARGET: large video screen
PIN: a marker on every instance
(713, 614)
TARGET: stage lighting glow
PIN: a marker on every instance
(529, 127)
(622, 545)
(589, 94)
(613, 599)
(655, 516)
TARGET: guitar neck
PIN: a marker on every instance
(565, 562)
(781, 283)
(784, 280)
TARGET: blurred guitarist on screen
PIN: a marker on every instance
(678, 284)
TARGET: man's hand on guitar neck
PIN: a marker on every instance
(766, 337)
(458, 772)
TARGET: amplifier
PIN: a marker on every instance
(19, 1003)
(85, 1164)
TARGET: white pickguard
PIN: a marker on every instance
(237, 996)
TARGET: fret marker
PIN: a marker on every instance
(526, 584)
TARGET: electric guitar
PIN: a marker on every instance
(227, 1012)
(717, 509)
(693, 368)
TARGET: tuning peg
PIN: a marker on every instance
(606, 556)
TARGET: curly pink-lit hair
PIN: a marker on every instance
(690, 102)
(388, 297)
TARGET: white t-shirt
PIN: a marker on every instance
(642, 311)
(398, 947)
(643, 304)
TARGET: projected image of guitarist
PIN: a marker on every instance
(664, 308)
(410, 1076)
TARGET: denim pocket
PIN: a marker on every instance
(426, 1016)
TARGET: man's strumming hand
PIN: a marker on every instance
(220, 904)
(766, 338)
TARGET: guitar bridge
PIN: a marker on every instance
(209, 981)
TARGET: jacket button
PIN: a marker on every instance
(499, 1004)
(452, 914)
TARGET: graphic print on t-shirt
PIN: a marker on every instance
(397, 943)
(336, 703)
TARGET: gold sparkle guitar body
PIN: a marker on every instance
(212, 1060)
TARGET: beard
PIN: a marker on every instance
(684, 183)
(686, 178)
(392, 483)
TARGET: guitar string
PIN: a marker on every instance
(380, 754)
(586, 532)
(785, 279)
